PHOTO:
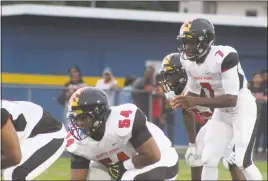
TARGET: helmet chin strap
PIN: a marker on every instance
(99, 129)
(99, 132)
(201, 58)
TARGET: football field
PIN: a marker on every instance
(60, 170)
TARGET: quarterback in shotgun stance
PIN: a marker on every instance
(174, 81)
(217, 70)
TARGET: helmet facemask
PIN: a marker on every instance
(90, 122)
(192, 47)
(173, 80)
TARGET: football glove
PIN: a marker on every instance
(191, 157)
(228, 159)
(117, 170)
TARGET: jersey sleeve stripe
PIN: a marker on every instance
(229, 61)
(140, 132)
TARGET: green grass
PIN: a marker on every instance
(60, 170)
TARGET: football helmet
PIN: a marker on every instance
(195, 39)
(88, 112)
(173, 75)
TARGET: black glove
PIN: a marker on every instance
(116, 171)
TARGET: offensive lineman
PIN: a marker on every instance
(41, 139)
(218, 71)
(174, 82)
(117, 140)
(10, 146)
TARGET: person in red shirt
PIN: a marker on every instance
(157, 105)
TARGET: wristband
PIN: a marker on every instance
(128, 164)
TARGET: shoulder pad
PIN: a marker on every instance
(216, 57)
(220, 52)
(125, 117)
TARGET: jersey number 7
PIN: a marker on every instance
(202, 114)
(208, 87)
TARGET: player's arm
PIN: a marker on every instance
(11, 152)
(143, 142)
(189, 123)
(191, 89)
(230, 83)
(79, 167)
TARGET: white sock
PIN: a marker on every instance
(209, 173)
(252, 173)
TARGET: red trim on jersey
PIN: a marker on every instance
(69, 134)
(224, 70)
(69, 142)
(220, 53)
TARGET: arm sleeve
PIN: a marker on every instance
(140, 132)
(230, 61)
(230, 78)
(230, 81)
(78, 162)
(4, 116)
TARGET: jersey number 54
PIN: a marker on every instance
(126, 122)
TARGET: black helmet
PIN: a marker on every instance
(91, 105)
(173, 75)
(196, 38)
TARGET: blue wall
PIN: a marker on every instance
(50, 45)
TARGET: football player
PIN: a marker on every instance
(11, 152)
(218, 71)
(41, 139)
(118, 141)
(174, 82)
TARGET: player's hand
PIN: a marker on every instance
(191, 156)
(117, 170)
(229, 160)
(183, 102)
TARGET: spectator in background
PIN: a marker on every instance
(157, 105)
(255, 87)
(263, 115)
(108, 84)
(264, 84)
(75, 82)
(142, 88)
(125, 94)
(169, 116)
